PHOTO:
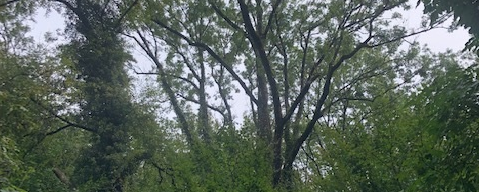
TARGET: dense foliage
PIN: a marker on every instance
(246, 96)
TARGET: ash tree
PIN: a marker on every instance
(294, 61)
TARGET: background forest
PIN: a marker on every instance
(336, 98)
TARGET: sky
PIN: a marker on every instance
(438, 40)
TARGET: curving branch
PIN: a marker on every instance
(213, 54)
(219, 80)
(224, 17)
(168, 171)
(221, 112)
(184, 125)
(69, 123)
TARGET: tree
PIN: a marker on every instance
(29, 73)
(286, 74)
(409, 143)
(107, 112)
(449, 117)
(317, 77)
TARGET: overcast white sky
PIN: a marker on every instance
(438, 40)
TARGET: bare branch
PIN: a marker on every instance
(186, 80)
(59, 129)
(317, 168)
(174, 76)
(69, 123)
(219, 81)
(187, 62)
(146, 73)
(221, 112)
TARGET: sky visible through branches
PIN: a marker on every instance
(437, 40)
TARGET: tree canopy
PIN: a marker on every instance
(334, 98)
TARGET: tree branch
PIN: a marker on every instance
(319, 104)
(174, 76)
(198, 102)
(270, 17)
(214, 55)
(224, 17)
(219, 81)
(58, 130)
(184, 126)
(187, 62)
(167, 171)
(69, 123)
(124, 14)
(258, 46)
